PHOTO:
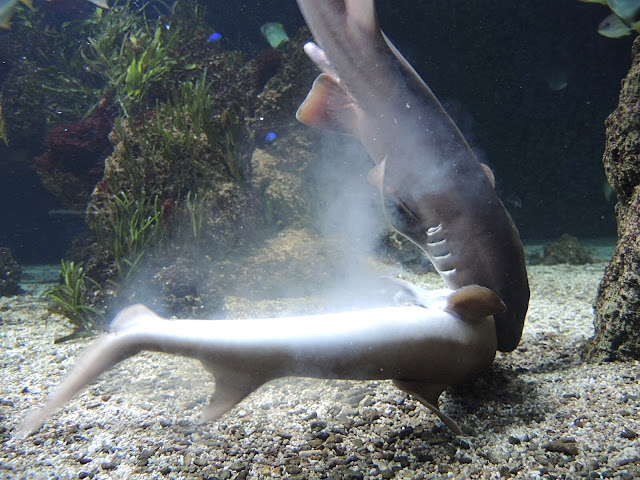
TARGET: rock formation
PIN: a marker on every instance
(617, 308)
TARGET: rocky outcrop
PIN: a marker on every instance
(10, 274)
(566, 249)
(617, 308)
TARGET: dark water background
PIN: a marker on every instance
(489, 62)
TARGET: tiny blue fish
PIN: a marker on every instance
(214, 37)
(270, 137)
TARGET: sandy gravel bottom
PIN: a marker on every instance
(537, 413)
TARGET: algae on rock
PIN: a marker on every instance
(617, 308)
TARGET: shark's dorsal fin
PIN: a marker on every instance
(474, 302)
(328, 107)
(376, 175)
(428, 394)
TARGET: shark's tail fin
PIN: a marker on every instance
(105, 352)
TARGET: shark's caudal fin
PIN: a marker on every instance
(102, 355)
(105, 352)
(136, 328)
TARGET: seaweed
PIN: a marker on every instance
(134, 55)
(129, 228)
(195, 207)
(69, 298)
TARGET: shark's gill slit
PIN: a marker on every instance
(434, 230)
(438, 248)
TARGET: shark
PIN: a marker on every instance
(434, 191)
(430, 340)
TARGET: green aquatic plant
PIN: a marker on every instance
(195, 208)
(182, 136)
(181, 123)
(69, 298)
(134, 55)
(192, 107)
(128, 228)
(151, 66)
(232, 137)
(191, 114)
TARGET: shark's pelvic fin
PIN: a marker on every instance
(428, 394)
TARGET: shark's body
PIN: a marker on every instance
(435, 191)
(444, 338)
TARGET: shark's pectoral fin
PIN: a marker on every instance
(231, 389)
(329, 107)
(428, 394)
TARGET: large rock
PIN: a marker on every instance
(617, 321)
(10, 274)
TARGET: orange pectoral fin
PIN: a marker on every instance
(328, 107)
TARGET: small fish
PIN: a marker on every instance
(8, 8)
(270, 137)
(624, 19)
(557, 79)
(214, 37)
(101, 3)
(274, 34)
(627, 10)
(614, 27)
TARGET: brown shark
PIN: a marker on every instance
(451, 211)
(435, 192)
